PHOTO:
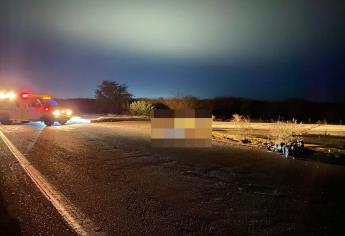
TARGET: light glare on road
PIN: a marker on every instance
(78, 120)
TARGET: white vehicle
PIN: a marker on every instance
(24, 107)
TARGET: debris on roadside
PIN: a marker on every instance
(287, 149)
(290, 149)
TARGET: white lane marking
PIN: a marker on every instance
(77, 220)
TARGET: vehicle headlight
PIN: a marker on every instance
(69, 112)
(11, 95)
(2, 95)
(56, 113)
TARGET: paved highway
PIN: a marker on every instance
(105, 179)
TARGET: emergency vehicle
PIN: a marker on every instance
(25, 107)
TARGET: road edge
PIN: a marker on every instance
(71, 215)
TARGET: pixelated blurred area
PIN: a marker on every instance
(181, 128)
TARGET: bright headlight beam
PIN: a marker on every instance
(56, 113)
(2, 95)
(69, 112)
(9, 95)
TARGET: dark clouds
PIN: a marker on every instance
(259, 49)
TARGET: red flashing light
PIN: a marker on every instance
(24, 95)
(46, 108)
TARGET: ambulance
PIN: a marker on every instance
(25, 107)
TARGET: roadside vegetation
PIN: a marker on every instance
(141, 108)
(286, 131)
(243, 126)
(112, 97)
(174, 103)
(278, 132)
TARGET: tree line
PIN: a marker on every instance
(112, 97)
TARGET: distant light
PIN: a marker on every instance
(24, 95)
(46, 108)
(52, 102)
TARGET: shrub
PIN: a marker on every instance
(141, 108)
(289, 131)
(243, 125)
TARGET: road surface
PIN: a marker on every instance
(105, 179)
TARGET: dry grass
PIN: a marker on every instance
(264, 128)
(316, 136)
(243, 125)
(284, 132)
(242, 129)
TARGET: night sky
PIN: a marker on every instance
(267, 49)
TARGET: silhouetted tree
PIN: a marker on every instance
(112, 97)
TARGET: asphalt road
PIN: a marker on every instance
(113, 183)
